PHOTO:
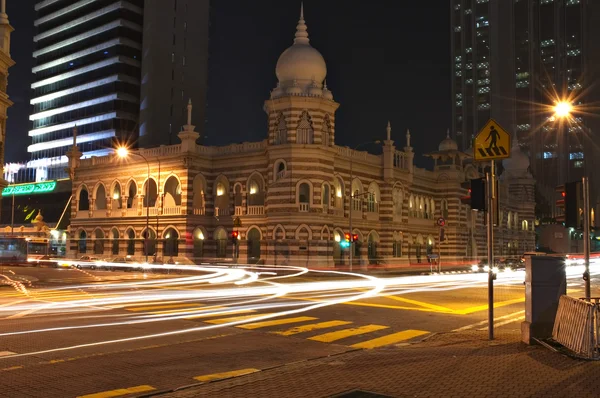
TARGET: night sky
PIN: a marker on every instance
(386, 59)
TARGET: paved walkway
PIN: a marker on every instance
(449, 365)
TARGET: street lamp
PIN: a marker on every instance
(352, 200)
(563, 109)
(123, 152)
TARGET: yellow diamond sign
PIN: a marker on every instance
(492, 142)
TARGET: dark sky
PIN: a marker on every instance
(386, 59)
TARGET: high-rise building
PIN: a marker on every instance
(511, 60)
(5, 63)
(116, 70)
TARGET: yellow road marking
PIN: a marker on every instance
(225, 375)
(234, 319)
(313, 326)
(342, 334)
(209, 314)
(264, 324)
(390, 339)
(119, 392)
(164, 306)
(421, 304)
(478, 308)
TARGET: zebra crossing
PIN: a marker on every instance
(344, 332)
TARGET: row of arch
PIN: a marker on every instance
(305, 132)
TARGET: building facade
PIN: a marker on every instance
(511, 61)
(292, 196)
(5, 63)
(106, 67)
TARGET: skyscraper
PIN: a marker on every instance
(116, 70)
(511, 60)
(5, 63)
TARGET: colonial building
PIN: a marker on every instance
(5, 63)
(292, 196)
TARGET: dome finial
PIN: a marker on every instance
(301, 30)
(448, 133)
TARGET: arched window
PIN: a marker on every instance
(444, 208)
(304, 196)
(198, 243)
(131, 194)
(199, 188)
(171, 243)
(373, 198)
(525, 225)
(326, 138)
(221, 238)
(116, 197)
(411, 206)
(397, 245)
(100, 202)
(305, 132)
(279, 170)
(253, 238)
(339, 193)
(130, 242)
(99, 242)
(221, 193)
(325, 197)
(172, 196)
(149, 242)
(281, 131)
(256, 194)
(82, 242)
(372, 247)
(397, 198)
(115, 241)
(150, 193)
(84, 199)
(238, 197)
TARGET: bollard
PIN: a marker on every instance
(545, 282)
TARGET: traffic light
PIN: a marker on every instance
(571, 201)
(347, 237)
(442, 235)
(478, 196)
(354, 237)
(234, 236)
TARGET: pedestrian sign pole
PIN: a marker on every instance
(491, 143)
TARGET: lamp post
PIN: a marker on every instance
(123, 152)
(563, 110)
(352, 201)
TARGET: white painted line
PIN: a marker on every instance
(520, 318)
(6, 353)
(484, 322)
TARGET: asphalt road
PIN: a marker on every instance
(70, 333)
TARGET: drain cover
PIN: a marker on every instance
(360, 394)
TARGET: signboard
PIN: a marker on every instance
(237, 222)
(441, 222)
(27, 189)
(492, 142)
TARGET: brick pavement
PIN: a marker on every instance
(462, 364)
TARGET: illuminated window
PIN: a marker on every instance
(578, 164)
(549, 155)
(576, 155)
(220, 189)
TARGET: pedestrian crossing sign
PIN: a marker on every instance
(492, 142)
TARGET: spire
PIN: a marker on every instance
(389, 131)
(3, 16)
(189, 112)
(407, 138)
(301, 33)
(75, 137)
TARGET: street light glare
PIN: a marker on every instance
(122, 152)
(563, 109)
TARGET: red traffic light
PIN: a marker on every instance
(347, 237)
(563, 193)
(354, 237)
(234, 234)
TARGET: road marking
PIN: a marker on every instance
(390, 339)
(226, 375)
(119, 392)
(275, 322)
(434, 307)
(478, 308)
(235, 319)
(496, 325)
(6, 353)
(161, 307)
(342, 334)
(474, 325)
(313, 326)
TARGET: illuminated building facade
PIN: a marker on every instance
(292, 193)
(5, 63)
(509, 57)
(107, 67)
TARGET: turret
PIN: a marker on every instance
(188, 136)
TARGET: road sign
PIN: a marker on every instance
(433, 256)
(237, 222)
(441, 222)
(492, 142)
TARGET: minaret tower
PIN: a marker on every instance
(5, 63)
(301, 109)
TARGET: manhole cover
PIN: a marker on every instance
(360, 394)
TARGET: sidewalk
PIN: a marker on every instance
(462, 364)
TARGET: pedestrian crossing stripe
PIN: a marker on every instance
(492, 142)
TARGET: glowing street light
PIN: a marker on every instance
(563, 109)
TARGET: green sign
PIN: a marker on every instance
(27, 189)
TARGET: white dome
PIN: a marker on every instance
(301, 62)
(518, 160)
(448, 144)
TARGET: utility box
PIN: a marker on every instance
(545, 282)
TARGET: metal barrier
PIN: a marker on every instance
(576, 326)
